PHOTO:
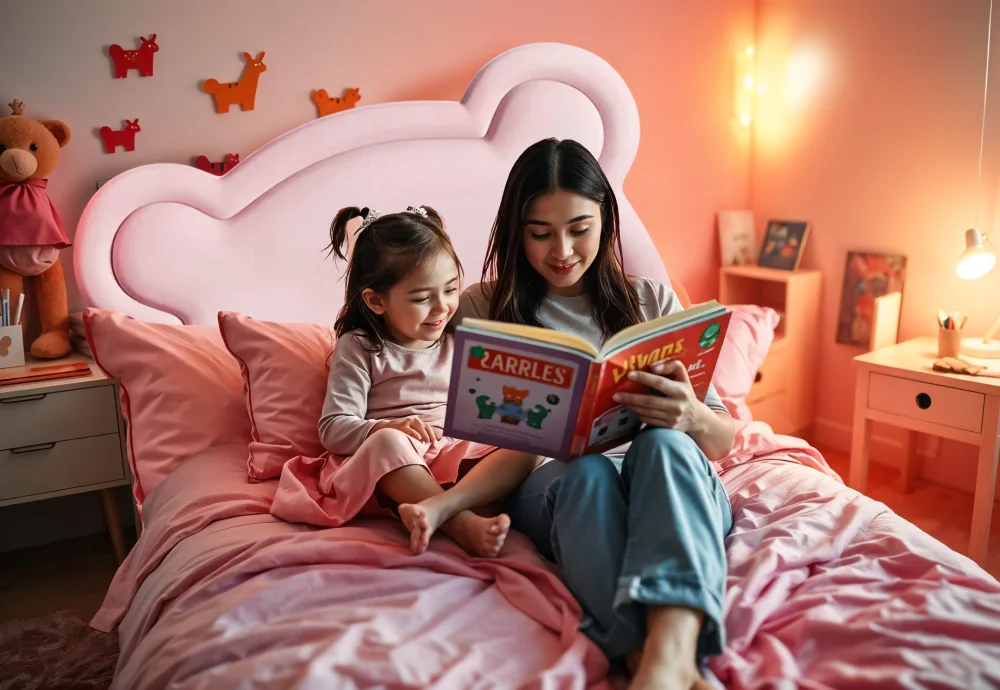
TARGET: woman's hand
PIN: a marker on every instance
(411, 426)
(677, 408)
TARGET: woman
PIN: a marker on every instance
(638, 532)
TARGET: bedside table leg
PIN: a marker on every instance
(908, 475)
(986, 480)
(113, 522)
(860, 436)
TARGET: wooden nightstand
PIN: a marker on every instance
(784, 393)
(896, 385)
(61, 437)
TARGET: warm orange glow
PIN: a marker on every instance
(745, 94)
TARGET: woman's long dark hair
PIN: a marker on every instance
(386, 251)
(518, 289)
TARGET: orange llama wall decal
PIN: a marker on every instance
(329, 106)
(242, 92)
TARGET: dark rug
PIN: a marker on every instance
(59, 651)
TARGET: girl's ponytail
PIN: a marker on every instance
(434, 217)
(338, 229)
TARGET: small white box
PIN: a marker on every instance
(11, 347)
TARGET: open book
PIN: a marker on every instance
(546, 392)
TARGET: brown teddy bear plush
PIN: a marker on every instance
(31, 234)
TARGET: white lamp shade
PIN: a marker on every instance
(976, 261)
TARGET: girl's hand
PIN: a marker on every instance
(411, 426)
(677, 408)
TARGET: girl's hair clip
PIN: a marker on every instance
(419, 210)
(370, 215)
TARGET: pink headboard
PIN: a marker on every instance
(171, 243)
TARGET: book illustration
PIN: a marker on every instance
(867, 276)
(783, 244)
(512, 410)
(612, 424)
(736, 237)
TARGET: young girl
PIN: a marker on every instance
(388, 387)
(639, 532)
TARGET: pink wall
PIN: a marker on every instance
(870, 129)
(673, 56)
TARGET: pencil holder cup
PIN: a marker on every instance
(949, 342)
(11, 347)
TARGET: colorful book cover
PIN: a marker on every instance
(548, 393)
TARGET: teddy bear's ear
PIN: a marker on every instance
(59, 130)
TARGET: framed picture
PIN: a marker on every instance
(783, 244)
(736, 237)
(867, 276)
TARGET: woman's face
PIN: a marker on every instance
(562, 234)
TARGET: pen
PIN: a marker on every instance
(17, 310)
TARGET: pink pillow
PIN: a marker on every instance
(285, 368)
(181, 391)
(750, 334)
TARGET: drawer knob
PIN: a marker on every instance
(757, 377)
(923, 401)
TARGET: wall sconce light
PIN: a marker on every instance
(747, 85)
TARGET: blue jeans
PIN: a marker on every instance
(651, 535)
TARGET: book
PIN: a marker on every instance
(784, 242)
(44, 373)
(549, 393)
(736, 237)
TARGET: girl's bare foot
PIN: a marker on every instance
(420, 522)
(479, 536)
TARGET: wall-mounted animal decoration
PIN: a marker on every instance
(140, 59)
(113, 138)
(220, 168)
(329, 106)
(243, 92)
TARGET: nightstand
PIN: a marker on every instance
(784, 392)
(61, 437)
(897, 385)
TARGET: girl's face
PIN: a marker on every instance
(562, 234)
(417, 308)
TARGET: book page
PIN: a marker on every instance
(512, 394)
(532, 333)
(667, 322)
(696, 345)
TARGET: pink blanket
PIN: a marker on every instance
(826, 589)
(218, 593)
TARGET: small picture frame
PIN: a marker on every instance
(868, 276)
(784, 242)
(736, 237)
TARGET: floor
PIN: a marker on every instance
(75, 574)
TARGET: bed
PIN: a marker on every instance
(202, 287)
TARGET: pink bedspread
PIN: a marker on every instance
(827, 589)
(217, 593)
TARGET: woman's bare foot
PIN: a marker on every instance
(479, 536)
(667, 674)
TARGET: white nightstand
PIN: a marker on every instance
(896, 385)
(61, 437)
(784, 392)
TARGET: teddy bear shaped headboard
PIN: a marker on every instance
(171, 243)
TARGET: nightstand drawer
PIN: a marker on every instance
(43, 468)
(32, 418)
(927, 402)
